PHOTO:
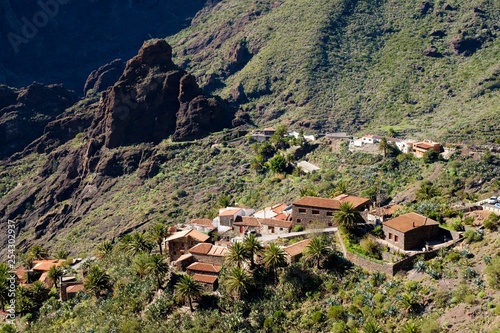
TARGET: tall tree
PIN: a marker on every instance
(104, 249)
(317, 251)
(237, 281)
(237, 255)
(383, 146)
(188, 289)
(4, 285)
(97, 281)
(253, 247)
(158, 267)
(347, 216)
(140, 263)
(158, 233)
(273, 257)
(54, 274)
(136, 243)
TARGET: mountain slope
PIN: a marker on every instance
(353, 65)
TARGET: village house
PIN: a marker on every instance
(181, 241)
(307, 167)
(420, 148)
(228, 215)
(262, 135)
(205, 274)
(371, 139)
(208, 253)
(262, 226)
(410, 231)
(294, 251)
(313, 209)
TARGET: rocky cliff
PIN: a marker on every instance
(152, 100)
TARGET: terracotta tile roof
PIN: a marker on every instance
(195, 234)
(45, 265)
(297, 248)
(201, 248)
(281, 216)
(333, 204)
(203, 278)
(21, 274)
(218, 251)
(423, 145)
(229, 212)
(409, 221)
(202, 222)
(278, 209)
(203, 267)
(209, 250)
(248, 221)
(74, 289)
(276, 223)
(184, 257)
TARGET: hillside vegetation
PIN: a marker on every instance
(353, 65)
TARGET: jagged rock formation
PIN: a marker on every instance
(24, 113)
(152, 100)
(103, 77)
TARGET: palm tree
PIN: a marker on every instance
(97, 281)
(188, 289)
(158, 233)
(372, 327)
(409, 303)
(237, 254)
(4, 285)
(54, 274)
(62, 254)
(38, 252)
(347, 216)
(383, 146)
(410, 327)
(135, 243)
(317, 251)
(157, 266)
(253, 247)
(237, 282)
(140, 263)
(104, 249)
(274, 257)
(340, 188)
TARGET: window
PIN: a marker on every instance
(396, 238)
(302, 210)
(390, 236)
(315, 212)
(299, 220)
(329, 213)
(281, 229)
(330, 224)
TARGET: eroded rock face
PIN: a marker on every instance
(114, 136)
(24, 113)
(155, 99)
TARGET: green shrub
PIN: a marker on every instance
(336, 312)
(378, 231)
(339, 327)
(493, 272)
(298, 228)
(318, 317)
(492, 222)
(370, 248)
(472, 236)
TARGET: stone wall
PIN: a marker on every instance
(304, 215)
(214, 260)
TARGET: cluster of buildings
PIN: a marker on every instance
(196, 251)
(418, 148)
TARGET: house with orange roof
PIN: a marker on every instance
(227, 216)
(209, 253)
(294, 251)
(314, 209)
(181, 241)
(208, 282)
(420, 148)
(410, 231)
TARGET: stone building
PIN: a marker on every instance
(411, 231)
